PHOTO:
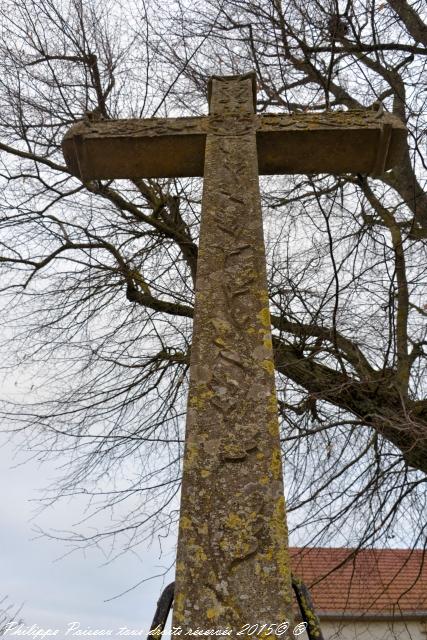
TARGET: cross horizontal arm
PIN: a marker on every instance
(149, 148)
(358, 141)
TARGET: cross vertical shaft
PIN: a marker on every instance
(232, 563)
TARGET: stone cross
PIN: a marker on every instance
(232, 565)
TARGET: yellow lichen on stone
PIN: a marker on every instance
(191, 455)
(263, 296)
(267, 341)
(185, 522)
(180, 566)
(264, 317)
(273, 427)
(198, 400)
(213, 613)
(199, 554)
(279, 534)
(234, 521)
(268, 365)
(267, 555)
(272, 403)
(178, 607)
(276, 464)
(205, 473)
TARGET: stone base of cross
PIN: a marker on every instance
(232, 564)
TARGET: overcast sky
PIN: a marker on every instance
(53, 591)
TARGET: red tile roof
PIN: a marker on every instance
(374, 581)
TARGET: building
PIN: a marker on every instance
(376, 594)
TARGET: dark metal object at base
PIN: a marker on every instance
(305, 603)
(164, 605)
(306, 607)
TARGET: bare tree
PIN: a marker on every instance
(98, 276)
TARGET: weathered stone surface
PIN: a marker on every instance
(359, 141)
(232, 563)
(151, 148)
